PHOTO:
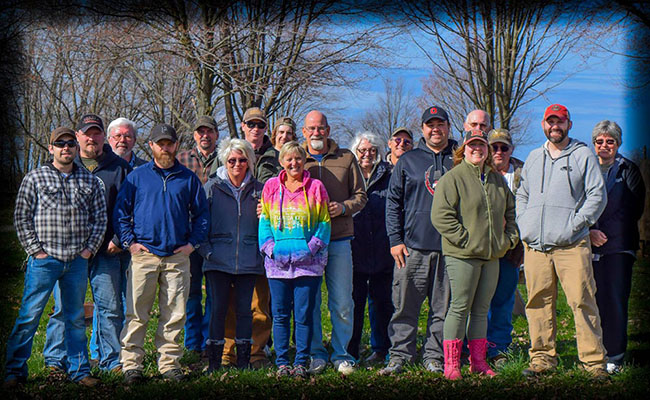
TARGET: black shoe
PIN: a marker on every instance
(375, 359)
(175, 375)
(14, 382)
(133, 376)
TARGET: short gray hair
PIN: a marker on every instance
(608, 128)
(227, 146)
(375, 141)
(292, 147)
(122, 122)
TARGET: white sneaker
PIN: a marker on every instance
(613, 369)
(346, 367)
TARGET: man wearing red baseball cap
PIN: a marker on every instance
(562, 194)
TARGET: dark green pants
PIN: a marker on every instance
(473, 283)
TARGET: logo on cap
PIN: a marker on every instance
(90, 120)
(555, 108)
(433, 110)
(476, 133)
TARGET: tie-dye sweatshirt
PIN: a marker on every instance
(294, 228)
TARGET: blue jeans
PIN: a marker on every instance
(125, 260)
(108, 285)
(197, 322)
(40, 278)
(338, 278)
(499, 331)
(300, 295)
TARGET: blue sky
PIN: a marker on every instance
(593, 92)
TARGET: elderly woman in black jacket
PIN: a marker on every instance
(232, 255)
(615, 239)
(371, 258)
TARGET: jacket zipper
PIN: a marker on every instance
(164, 179)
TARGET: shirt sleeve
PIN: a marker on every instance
(200, 213)
(321, 237)
(98, 219)
(26, 201)
(358, 197)
(395, 206)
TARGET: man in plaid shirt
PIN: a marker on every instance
(60, 219)
(199, 159)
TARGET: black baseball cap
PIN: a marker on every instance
(207, 121)
(88, 121)
(163, 131)
(434, 112)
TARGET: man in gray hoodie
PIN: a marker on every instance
(562, 194)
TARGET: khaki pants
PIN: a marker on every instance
(261, 323)
(572, 265)
(146, 272)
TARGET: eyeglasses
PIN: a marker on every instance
(503, 147)
(62, 143)
(233, 161)
(259, 125)
(371, 150)
(313, 128)
(610, 142)
(120, 137)
(398, 141)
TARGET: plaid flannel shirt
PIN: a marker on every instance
(195, 162)
(60, 215)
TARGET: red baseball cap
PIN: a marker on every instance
(557, 110)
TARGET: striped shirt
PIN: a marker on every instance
(60, 215)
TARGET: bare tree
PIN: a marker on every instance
(497, 54)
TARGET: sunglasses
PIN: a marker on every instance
(610, 142)
(503, 147)
(259, 125)
(233, 161)
(398, 141)
(62, 143)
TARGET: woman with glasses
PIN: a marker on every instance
(232, 256)
(294, 233)
(372, 277)
(474, 211)
(284, 131)
(615, 239)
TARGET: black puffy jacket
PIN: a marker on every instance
(370, 246)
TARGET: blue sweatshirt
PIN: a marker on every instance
(161, 209)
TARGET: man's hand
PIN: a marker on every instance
(112, 248)
(598, 238)
(40, 255)
(186, 249)
(137, 248)
(259, 209)
(85, 253)
(399, 253)
(335, 209)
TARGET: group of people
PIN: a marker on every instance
(264, 219)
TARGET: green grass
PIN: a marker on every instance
(568, 382)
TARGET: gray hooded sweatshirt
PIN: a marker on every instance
(559, 199)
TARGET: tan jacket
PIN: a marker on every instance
(341, 175)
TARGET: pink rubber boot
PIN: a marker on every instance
(452, 358)
(477, 362)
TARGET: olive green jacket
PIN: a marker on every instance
(475, 218)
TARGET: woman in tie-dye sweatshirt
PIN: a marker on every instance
(294, 232)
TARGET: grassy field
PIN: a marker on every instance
(568, 382)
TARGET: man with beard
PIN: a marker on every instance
(162, 215)
(107, 269)
(416, 245)
(400, 142)
(122, 135)
(562, 194)
(199, 159)
(339, 171)
(60, 220)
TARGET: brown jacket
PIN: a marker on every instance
(194, 161)
(340, 173)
